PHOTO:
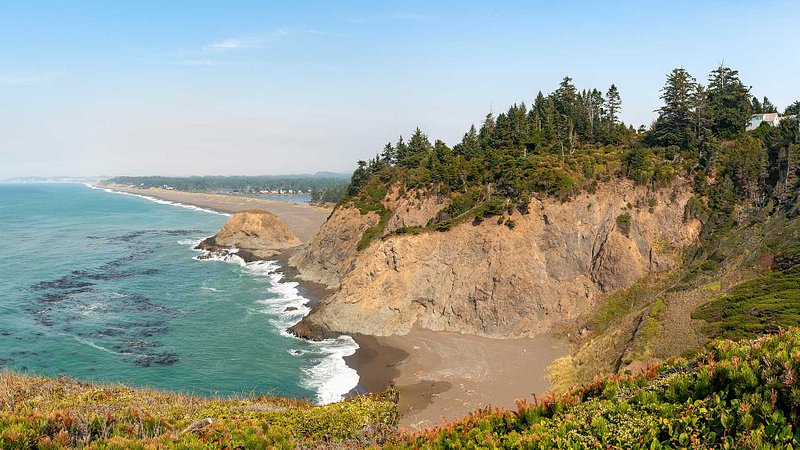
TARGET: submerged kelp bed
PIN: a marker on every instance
(37, 412)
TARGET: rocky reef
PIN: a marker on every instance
(255, 234)
(483, 277)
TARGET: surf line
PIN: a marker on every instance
(159, 201)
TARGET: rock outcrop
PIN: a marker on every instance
(490, 279)
(331, 253)
(256, 234)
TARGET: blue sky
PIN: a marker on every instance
(239, 87)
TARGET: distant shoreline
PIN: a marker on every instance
(303, 220)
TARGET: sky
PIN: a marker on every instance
(275, 87)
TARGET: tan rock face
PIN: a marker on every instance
(411, 209)
(490, 280)
(331, 253)
(255, 231)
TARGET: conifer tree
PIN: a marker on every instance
(470, 145)
(565, 104)
(487, 129)
(767, 106)
(729, 102)
(674, 125)
(613, 104)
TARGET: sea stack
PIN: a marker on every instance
(257, 234)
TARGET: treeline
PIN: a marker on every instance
(241, 184)
(332, 194)
(569, 140)
(521, 151)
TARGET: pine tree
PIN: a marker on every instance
(359, 179)
(767, 106)
(598, 108)
(565, 100)
(613, 104)
(792, 109)
(400, 151)
(389, 154)
(487, 129)
(729, 102)
(674, 125)
(756, 104)
(418, 147)
(470, 145)
(543, 116)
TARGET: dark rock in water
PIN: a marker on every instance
(65, 282)
(5, 333)
(312, 331)
(290, 308)
(180, 232)
(159, 359)
(5, 361)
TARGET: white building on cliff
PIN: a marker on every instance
(756, 120)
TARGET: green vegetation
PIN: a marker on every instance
(623, 302)
(758, 306)
(333, 194)
(327, 184)
(733, 395)
(55, 413)
(624, 223)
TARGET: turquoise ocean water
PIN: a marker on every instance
(103, 286)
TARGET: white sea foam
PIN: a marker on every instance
(159, 201)
(331, 378)
(99, 347)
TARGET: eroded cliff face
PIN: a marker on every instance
(331, 253)
(488, 279)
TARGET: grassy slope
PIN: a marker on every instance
(739, 283)
(731, 395)
(55, 413)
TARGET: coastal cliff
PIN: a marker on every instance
(515, 279)
(257, 234)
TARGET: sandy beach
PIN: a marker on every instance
(303, 220)
(442, 376)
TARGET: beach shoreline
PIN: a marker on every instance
(440, 376)
(303, 220)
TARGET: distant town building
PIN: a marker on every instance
(757, 119)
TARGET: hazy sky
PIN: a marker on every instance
(239, 87)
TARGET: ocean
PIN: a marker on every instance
(103, 286)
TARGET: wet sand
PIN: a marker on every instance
(442, 376)
(303, 220)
